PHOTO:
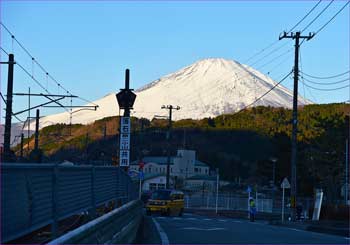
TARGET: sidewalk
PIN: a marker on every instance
(329, 227)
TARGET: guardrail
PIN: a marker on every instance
(118, 226)
(37, 195)
(225, 202)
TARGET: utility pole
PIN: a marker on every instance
(347, 156)
(7, 135)
(170, 108)
(36, 142)
(28, 134)
(86, 146)
(297, 37)
(22, 139)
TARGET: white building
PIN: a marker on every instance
(183, 165)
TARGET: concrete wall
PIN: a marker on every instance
(118, 226)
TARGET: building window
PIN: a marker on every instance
(161, 186)
(200, 170)
(171, 169)
(196, 170)
(206, 171)
(153, 186)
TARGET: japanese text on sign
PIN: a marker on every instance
(124, 141)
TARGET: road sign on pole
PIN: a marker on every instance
(124, 141)
(284, 185)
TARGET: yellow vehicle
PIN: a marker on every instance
(166, 202)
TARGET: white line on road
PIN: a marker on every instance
(207, 219)
(192, 218)
(177, 218)
(162, 234)
(294, 229)
(223, 220)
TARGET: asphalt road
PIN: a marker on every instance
(201, 229)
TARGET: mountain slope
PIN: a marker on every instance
(207, 88)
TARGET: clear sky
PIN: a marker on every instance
(87, 45)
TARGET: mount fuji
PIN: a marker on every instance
(207, 88)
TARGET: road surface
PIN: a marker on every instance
(201, 229)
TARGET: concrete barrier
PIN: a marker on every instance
(117, 226)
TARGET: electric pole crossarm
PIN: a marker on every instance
(46, 95)
(294, 36)
(52, 101)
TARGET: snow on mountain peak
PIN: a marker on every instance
(206, 88)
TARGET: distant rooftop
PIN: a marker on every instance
(163, 161)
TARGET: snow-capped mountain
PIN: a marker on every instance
(207, 88)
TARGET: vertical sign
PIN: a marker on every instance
(124, 141)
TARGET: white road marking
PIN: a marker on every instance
(162, 234)
(237, 221)
(177, 218)
(223, 220)
(294, 229)
(203, 229)
(207, 219)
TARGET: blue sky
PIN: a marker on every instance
(87, 45)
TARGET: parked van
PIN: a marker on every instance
(166, 202)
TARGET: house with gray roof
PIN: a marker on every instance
(183, 165)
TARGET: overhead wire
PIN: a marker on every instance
(330, 83)
(328, 77)
(263, 95)
(326, 89)
(2, 97)
(39, 65)
(319, 14)
(305, 16)
(340, 10)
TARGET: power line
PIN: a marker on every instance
(40, 66)
(262, 50)
(263, 95)
(318, 16)
(332, 18)
(2, 97)
(331, 83)
(271, 52)
(4, 51)
(305, 16)
(325, 89)
(38, 83)
(329, 77)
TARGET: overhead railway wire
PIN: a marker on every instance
(59, 84)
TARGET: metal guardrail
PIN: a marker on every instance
(118, 226)
(36, 195)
